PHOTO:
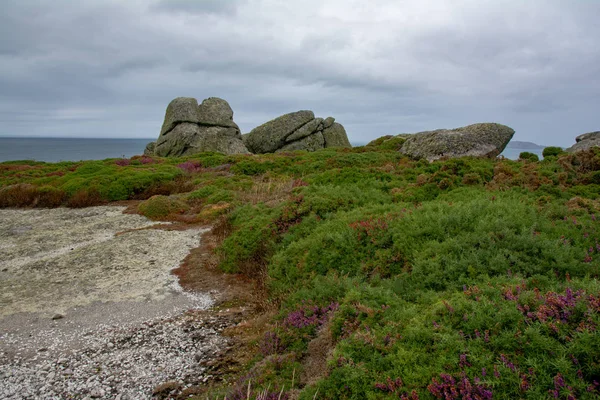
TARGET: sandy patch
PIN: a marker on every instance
(54, 260)
(121, 304)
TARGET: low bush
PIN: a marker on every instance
(552, 151)
(160, 207)
(528, 156)
(462, 278)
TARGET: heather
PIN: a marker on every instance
(456, 279)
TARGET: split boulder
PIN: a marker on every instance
(190, 128)
(299, 130)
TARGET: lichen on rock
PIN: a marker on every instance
(477, 140)
(190, 128)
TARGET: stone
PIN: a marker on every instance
(588, 136)
(149, 150)
(179, 110)
(335, 136)
(178, 141)
(477, 140)
(190, 128)
(305, 130)
(585, 142)
(270, 136)
(328, 122)
(216, 112)
(187, 139)
(57, 317)
(310, 143)
(220, 140)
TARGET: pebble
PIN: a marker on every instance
(122, 363)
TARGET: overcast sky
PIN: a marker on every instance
(108, 68)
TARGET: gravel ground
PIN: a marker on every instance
(90, 311)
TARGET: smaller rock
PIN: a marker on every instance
(588, 136)
(585, 142)
(97, 393)
(181, 109)
(305, 130)
(328, 122)
(149, 150)
(335, 136)
(216, 111)
(163, 391)
(57, 317)
(310, 143)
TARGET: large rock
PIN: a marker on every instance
(190, 128)
(585, 142)
(478, 140)
(181, 109)
(306, 130)
(216, 112)
(309, 143)
(149, 150)
(271, 135)
(186, 139)
(335, 136)
(328, 122)
(296, 131)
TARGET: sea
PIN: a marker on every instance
(69, 149)
(77, 149)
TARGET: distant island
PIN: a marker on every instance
(515, 144)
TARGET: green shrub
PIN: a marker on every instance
(203, 192)
(528, 156)
(388, 142)
(552, 151)
(157, 207)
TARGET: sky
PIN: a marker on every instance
(108, 68)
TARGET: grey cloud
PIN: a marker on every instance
(109, 67)
(199, 6)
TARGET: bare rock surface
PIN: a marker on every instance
(585, 142)
(299, 130)
(270, 136)
(125, 324)
(191, 128)
(477, 140)
(335, 136)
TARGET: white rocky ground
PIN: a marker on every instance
(89, 308)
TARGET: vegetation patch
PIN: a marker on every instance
(455, 279)
(160, 207)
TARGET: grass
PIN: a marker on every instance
(456, 279)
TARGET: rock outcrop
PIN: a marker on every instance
(585, 142)
(190, 128)
(299, 130)
(477, 140)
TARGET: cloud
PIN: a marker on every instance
(109, 68)
(199, 6)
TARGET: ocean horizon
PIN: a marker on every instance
(80, 149)
(69, 149)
